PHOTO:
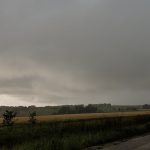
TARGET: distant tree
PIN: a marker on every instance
(64, 109)
(32, 117)
(79, 109)
(146, 106)
(8, 117)
(90, 108)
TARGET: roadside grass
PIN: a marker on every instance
(72, 134)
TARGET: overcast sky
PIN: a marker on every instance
(55, 52)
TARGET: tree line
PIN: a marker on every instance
(67, 109)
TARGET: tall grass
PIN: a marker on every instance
(71, 135)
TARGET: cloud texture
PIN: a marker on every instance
(73, 52)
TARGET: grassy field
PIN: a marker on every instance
(72, 132)
(66, 117)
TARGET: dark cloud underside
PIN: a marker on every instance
(71, 52)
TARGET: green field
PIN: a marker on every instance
(72, 134)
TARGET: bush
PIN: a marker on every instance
(8, 117)
(32, 117)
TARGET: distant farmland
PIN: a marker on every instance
(66, 117)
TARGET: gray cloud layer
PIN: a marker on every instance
(67, 52)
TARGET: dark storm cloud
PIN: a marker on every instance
(66, 52)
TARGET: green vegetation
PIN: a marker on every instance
(32, 118)
(71, 135)
(8, 117)
(70, 109)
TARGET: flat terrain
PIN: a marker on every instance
(140, 143)
(49, 118)
(75, 134)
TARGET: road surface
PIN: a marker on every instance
(139, 143)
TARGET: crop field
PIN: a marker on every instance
(72, 132)
(66, 117)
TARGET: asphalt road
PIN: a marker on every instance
(139, 143)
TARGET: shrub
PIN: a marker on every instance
(32, 117)
(8, 117)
